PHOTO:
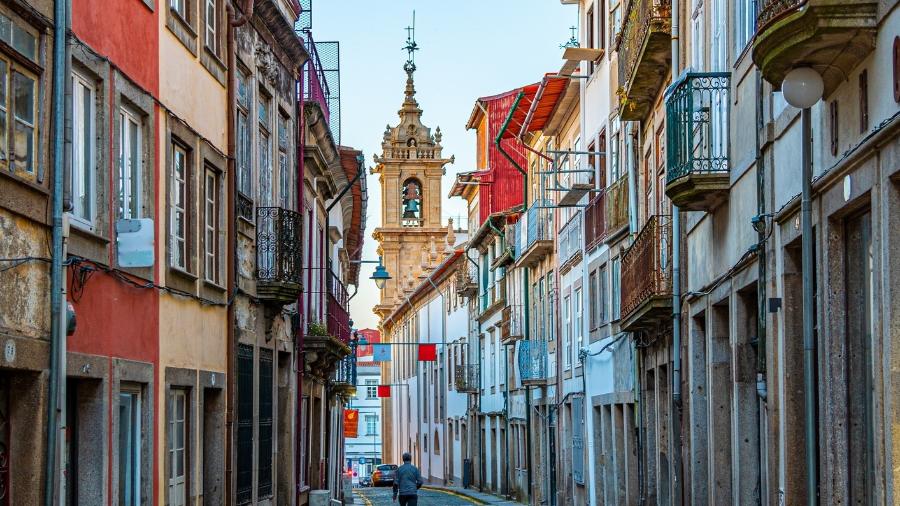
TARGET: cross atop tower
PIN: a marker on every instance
(411, 47)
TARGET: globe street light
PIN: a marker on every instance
(380, 276)
(802, 88)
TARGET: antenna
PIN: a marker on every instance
(411, 47)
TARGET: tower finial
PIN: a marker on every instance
(411, 47)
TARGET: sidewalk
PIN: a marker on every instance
(481, 497)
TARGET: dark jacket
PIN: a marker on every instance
(407, 480)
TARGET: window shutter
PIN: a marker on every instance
(578, 439)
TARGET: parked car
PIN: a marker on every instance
(365, 481)
(384, 475)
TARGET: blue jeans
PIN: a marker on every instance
(408, 500)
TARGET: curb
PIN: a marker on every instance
(453, 493)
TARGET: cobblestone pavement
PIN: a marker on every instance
(381, 496)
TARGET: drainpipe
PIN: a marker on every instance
(299, 359)
(231, 264)
(676, 297)
(761, 382)
(57, 329)
(525, 298)
(809, 345)
(246, 13)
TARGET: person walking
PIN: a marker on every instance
(407, 481)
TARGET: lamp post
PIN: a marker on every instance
(380, 276)
(802, 88)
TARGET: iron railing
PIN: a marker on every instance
(616, 205)
(595, 220)
(642, 17)
(570, 239)
(466, 378)
(278, 245)
(770, 10)
(467, 279)
(322, 80)
(536, 225)
(244, 207)
(493, 293)
(345, 372)
(512, 326)
(338, 302)
(532, 360)
(697, 110)
(647, 264)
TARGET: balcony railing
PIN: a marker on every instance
(535, 233)
(466, 378)
(697, 110)
(616, 206)
(647, 275)
(278, 254)
(338, 309)
(315, 86)
(570, 239)
(533, 362)
(493, 294)
(467, 279)
(344, 378)
(595, 221)
(511, 326)
(644, 55)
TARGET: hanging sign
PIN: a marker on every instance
(384, 391)
(351, 423)
(381, 353)
(427, 353)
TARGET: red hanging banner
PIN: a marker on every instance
(384, 390)
(351, 423)
(427, 353)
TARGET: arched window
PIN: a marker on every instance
(411, 208)
(437, 444)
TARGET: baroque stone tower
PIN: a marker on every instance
(412, 240)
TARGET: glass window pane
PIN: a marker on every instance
(24, 42)
(134, 167)
(24, 93)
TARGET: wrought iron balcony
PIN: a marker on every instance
(322, 351)
(493, 296)
(278, 254)
(647, 276)
(343, 380)
(616, 207)
(697, 113)
(511, 326)
(535, 234)
(338, 303)
(570, 239)
(467, 279)
(832, 37)
(467, 378)
(645, 54)
(533, 362)
(595, 221)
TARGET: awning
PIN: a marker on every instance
(536, 106)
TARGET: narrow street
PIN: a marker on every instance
(378, 496)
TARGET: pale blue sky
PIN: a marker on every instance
(469, 49)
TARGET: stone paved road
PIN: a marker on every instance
(381, 496)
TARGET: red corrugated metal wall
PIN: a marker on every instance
(505, 189)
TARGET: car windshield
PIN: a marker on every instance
(387, 467)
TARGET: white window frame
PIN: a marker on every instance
(132, 487)
(179, 208)
(211, 225)
(177, 484)
(578, 335)
(130, 197)
(180, 7)
(567, 332)
(211, 29)
(371, 388)
(84, 157)
(371, 430)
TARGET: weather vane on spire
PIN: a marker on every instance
(411, 47)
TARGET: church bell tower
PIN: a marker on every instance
(411, 238)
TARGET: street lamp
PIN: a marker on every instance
(380, 276)
(802, 88)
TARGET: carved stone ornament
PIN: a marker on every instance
(265, 62)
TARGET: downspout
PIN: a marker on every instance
(525, 298)
(761, 382)
(57, 329)
(676, 298)
(246, 13)
(299, 358)
(231, 264)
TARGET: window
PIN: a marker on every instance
(244, 424)
(180, 7)
(265, 154)
(579, 321)
(371, 388)
(264, 483)
(18, 38)
(615, 21)
(211, 26)
(285, 182)
(616, 290)
(371, 425)
(589, 34)
(83, 150)
(211, 226)
(176, 452)
(567, 331)
(129, 165)
(245, 171)
(18, 93)
(746, 21)
(179, 220)
(835, 125)
(601, 27)
(593, 313)
(863, 101)
(615, 166)
(603, 299)
(130, 446)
